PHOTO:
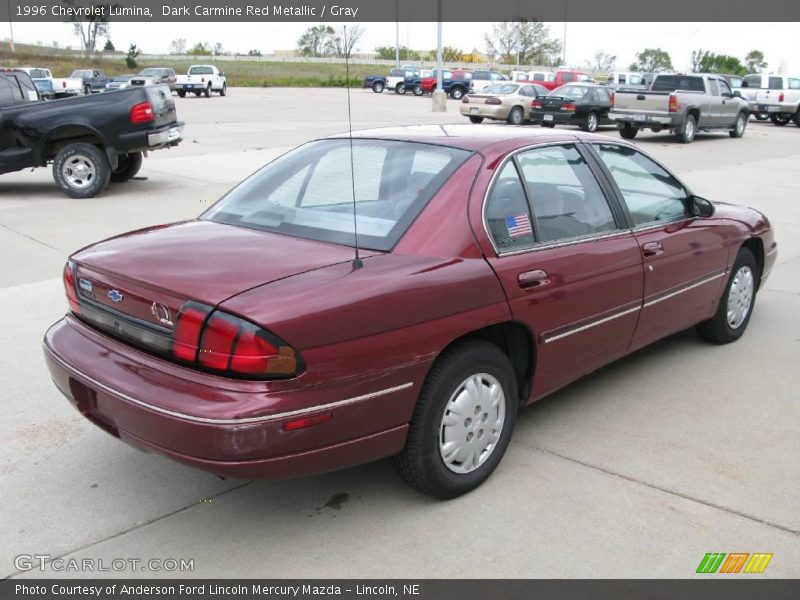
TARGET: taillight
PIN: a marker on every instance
(613, 97)
(307, 422)
(202, 80)
(142, 113)
(536, 104)
(673, 103)
(780, 97)
(69, 287)
(493, 101)
(229, 345)
(569, 107)
(63, 84)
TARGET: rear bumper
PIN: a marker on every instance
(231, 428)
(563, 118)
(483, 110)
(169, 135)
(643, 121)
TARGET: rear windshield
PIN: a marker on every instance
(576, 92)
(752, 81)
(308, 192)
(670, 83)
(501, 88)
(201, 71)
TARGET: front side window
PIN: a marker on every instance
(724, 88)
(507, 214)
(650, 192)
(567, 200)
(309, 192)
(713, 87)
(567, 77)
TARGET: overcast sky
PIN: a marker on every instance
(779, 41)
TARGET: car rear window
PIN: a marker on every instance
(670, 83)
(576, 92)
(752, 81)
(501, 88)
(201, 71)
(308, 192)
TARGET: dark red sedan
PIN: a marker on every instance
(496, 266)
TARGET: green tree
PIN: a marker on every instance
(528, 39)
(652, 60)
(451, 54)
(388, 53)
(109, 47)
(200, 49)
(315, 40)
(710, 62)
(254, 53)
(133, 54)
(177, 46)
(343, 41)
(754, 61)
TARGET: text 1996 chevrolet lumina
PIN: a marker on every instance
(498, 266)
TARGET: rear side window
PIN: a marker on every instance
(635, 80)
(6, 93)
(621, 78)
(670, 83)
(650, 192)
(567, 77)
(396, 73)
(567, 200)
(602, 95)
(507, 214)
(308, 192)
(794, 83)
(538, 76)
(736, 82)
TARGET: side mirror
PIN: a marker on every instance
(737, 93)
(222, 73)
(700, 207)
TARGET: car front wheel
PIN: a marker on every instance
(738, 129)
(224, 90)
(628, 132)
(736, 305)
(457, 93)
(686, 131)
(590, 123)
(462, 423)
(81, 170)
(377, 87)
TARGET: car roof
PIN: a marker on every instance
(487, 139)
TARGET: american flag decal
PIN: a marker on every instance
(518, 225)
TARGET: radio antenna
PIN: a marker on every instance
(357, 262)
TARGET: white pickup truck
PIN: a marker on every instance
(775, 95)
(201, 79)
(50, 87)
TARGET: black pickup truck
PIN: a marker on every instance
(90, 140)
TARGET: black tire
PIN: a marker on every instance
(591, 122)
(548, 125)
(421, 463)
(476, 119)
(718, 329)
(207, 91)
(780, 119)
(761, 116)
(796, 118)
(686, 132)
(78, 154)
(628, 132)
(182, 93)
(378, 86)
(128, 166)
(400, 89)
(224, 90)
(456, 92)
(418, 91)
(516, 116)
(197, 94)
(87, 90)
(739, 127)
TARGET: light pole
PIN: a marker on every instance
(397, 34)
(10, 27)
(439, 97)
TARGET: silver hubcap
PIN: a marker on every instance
(740, 297)
(740, 125)
(79, 171)
(516, 116)
(689, 130)
(592, 122)
(472, 422)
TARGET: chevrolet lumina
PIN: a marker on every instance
(495, 266)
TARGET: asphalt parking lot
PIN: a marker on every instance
(636, 471)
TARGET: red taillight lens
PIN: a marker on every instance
(536, 104)
(781, 97)
(69, 287)
(202, 80)
(307, 422)
(673, 103)
(569, 107)
(219, 336)
(493, 101)
(142, 113)
(187, 332)
(63, 84)
(613, 97)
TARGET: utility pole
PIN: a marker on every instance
(10, 27)
(439, 97)
(397, 34)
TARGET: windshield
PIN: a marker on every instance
(501, 88)
(81, 73)
(308, 192)
(201, 71)
(576, 92)
(150, 73)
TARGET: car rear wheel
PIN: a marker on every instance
(685, 133)
(549, 125)
(796, 118)
(457, 92)
(182, 93)
(207, 91)
(736, 304)
(418, 91)
(399, 89)
(377, 87)
(476, 119)
(738, 129)
(81, 170)
(780, 119)
(628, 132)
(197, 94)
(515, 117)
(128, 165)
(462, 423)
(590, 123)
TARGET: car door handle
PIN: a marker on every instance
(530, 279)
(652, 248)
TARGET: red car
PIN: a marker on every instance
(495, 266)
